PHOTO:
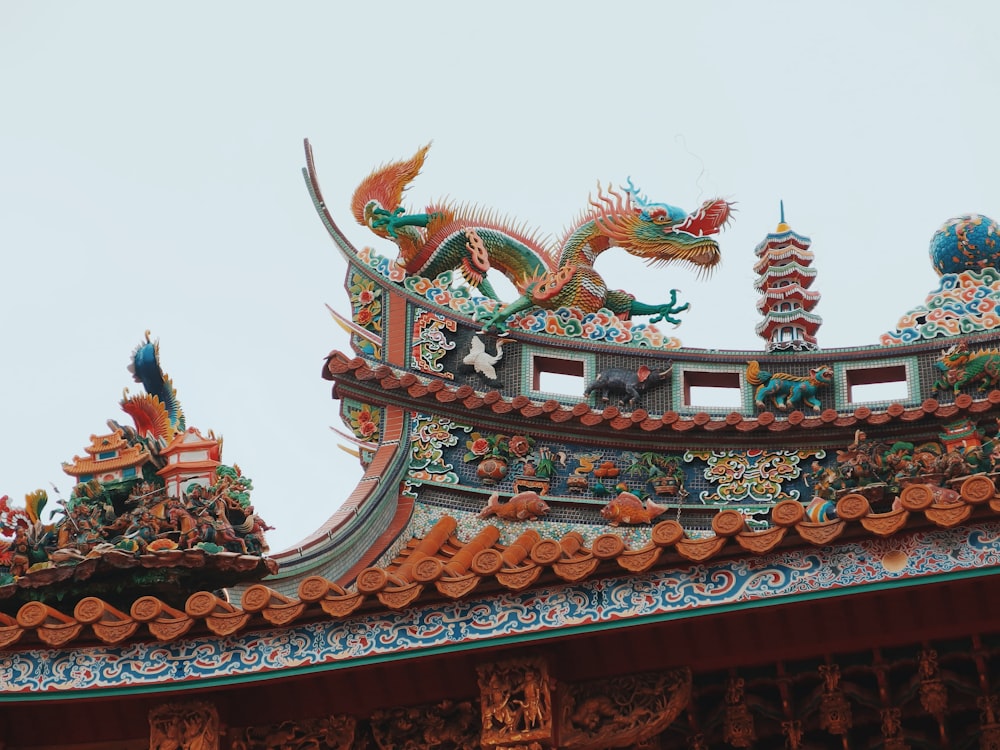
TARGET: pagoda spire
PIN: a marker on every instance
(784, 274)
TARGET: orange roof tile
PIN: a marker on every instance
(442, 565)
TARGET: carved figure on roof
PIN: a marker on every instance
(225, 536)
(143, 530)
(19, 551)
(516, 702)
(861, 462)
(622, 711)
(535, 702)
(24, 539)
(960, 368)
(184, 726)
(825, 481)
(898, 461)
(952, 465)
(335, 732)
(592, 712)
(252, 532)
(446, 236)
(625, 384)
(784, 390)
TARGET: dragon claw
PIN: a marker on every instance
(666, 311)
(495, 322)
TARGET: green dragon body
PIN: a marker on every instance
(959, 367)
(449, 237)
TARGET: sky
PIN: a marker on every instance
(150, 179)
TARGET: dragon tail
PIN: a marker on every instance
(755, 375)
(385, 186)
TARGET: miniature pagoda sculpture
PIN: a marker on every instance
(191, 459)
(110, 459)
(784, 275)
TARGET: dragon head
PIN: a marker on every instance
(954, 356)
(659, 232)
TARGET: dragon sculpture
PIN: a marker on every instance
(448, 237)
(960, 367)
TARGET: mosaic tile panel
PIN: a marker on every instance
(367, 311)
(578, 480)
(429, 342)
(963, 303)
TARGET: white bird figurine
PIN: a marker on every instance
(482, 362)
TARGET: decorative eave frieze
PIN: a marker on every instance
(384, 384)
(431, 567)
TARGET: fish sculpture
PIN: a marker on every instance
(524, 506)
(628, 509)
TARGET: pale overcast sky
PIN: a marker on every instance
(150, 161)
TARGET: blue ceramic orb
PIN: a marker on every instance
(966, 243)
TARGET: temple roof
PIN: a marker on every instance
(414, 532)
(192, 439)
(773, 295)
(126, 455)
(773, 258)
(802, 274)
(810, 322)
(784, 242)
